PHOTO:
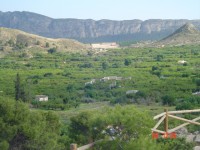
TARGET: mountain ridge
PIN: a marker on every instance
(89, 30)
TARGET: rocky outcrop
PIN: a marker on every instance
(190, 137)
(91, 30)
(196, 148)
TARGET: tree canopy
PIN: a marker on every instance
(21, 128)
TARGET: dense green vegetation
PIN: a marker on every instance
(154, 72)
(23, 129)
(144, 76)
(127, 125)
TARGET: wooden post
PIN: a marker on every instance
(73, 146)
(165, 116)
(166, 121)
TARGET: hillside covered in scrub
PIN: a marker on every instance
(12, 39)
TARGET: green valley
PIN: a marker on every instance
(153, 72)
(54, 92)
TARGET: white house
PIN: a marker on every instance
(196, 93)
(182, 61)
(41, 98)
(91, 82)
(131, 92)
(111, 78)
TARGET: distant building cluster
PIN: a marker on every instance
(111, 78)
(104, 45)
(107, 79)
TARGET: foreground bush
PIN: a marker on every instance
(21, 128)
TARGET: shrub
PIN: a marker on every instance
(168, 100)
(52, 50)
(48, 74)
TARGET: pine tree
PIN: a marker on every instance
(127, 62)
(21, 93)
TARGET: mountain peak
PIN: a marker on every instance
(187, 34)
(187, 28)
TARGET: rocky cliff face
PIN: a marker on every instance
(91, 30)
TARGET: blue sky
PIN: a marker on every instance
(108, 9)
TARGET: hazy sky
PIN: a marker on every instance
(108, 9)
